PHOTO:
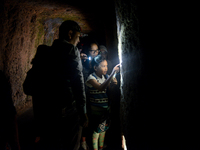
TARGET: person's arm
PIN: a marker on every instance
(113, 82)
(83, 57)
(78, 86)
(102, 87)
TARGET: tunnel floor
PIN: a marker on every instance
(27, 138)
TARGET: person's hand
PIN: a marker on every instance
(114, 81)
(84, 121)
(116, 69)
(83, 56)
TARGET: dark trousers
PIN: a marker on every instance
(61, 133)
(8, 133)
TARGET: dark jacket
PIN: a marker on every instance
(67, 78)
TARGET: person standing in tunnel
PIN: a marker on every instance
(97, 83)
(90, 50)
(68, 86)
(8, 127)
(66, 99)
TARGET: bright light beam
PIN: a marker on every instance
(124, 143)
(120, 35)
(120, 32)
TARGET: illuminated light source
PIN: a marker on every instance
(120, 35)
(89, 58)
(83, 35)
(120, 32)
(124, 142)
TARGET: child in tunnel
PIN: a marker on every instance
(97, 83)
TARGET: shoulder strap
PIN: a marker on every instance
(94, 75)
(106, 76)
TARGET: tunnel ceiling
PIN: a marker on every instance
(93, 18)
(86, 15)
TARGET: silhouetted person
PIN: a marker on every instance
(8, 125)
(36, 85)
(68, 93)
(68, 84)
(59, 99)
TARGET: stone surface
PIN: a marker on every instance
(153, 109)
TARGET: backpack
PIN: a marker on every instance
(36, 80)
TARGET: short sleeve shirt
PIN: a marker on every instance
(95, 77)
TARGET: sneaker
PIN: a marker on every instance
(84, 145)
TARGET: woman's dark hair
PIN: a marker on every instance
(95, 62)
(66, 26)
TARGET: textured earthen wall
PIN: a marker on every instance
(145, 106)
(131, 69)
(155, 110)
(17, 46)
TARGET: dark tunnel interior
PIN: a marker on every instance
(151, 109)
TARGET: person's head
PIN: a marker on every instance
(103, 51)
(70, 31)
(93, 50)
(99, 65)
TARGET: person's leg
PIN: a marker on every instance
(95, 138)
(101, 139)
(70, 130)
(83, 139)
(71, 137)
(83, 143)
(3, 141)
(78, 138)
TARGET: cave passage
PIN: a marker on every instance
(151, 110)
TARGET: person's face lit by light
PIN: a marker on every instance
(102, 68)
(93, 50)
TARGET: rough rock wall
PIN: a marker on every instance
(146, 110)
(131, 69)
(17, 45)
(156, 113)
